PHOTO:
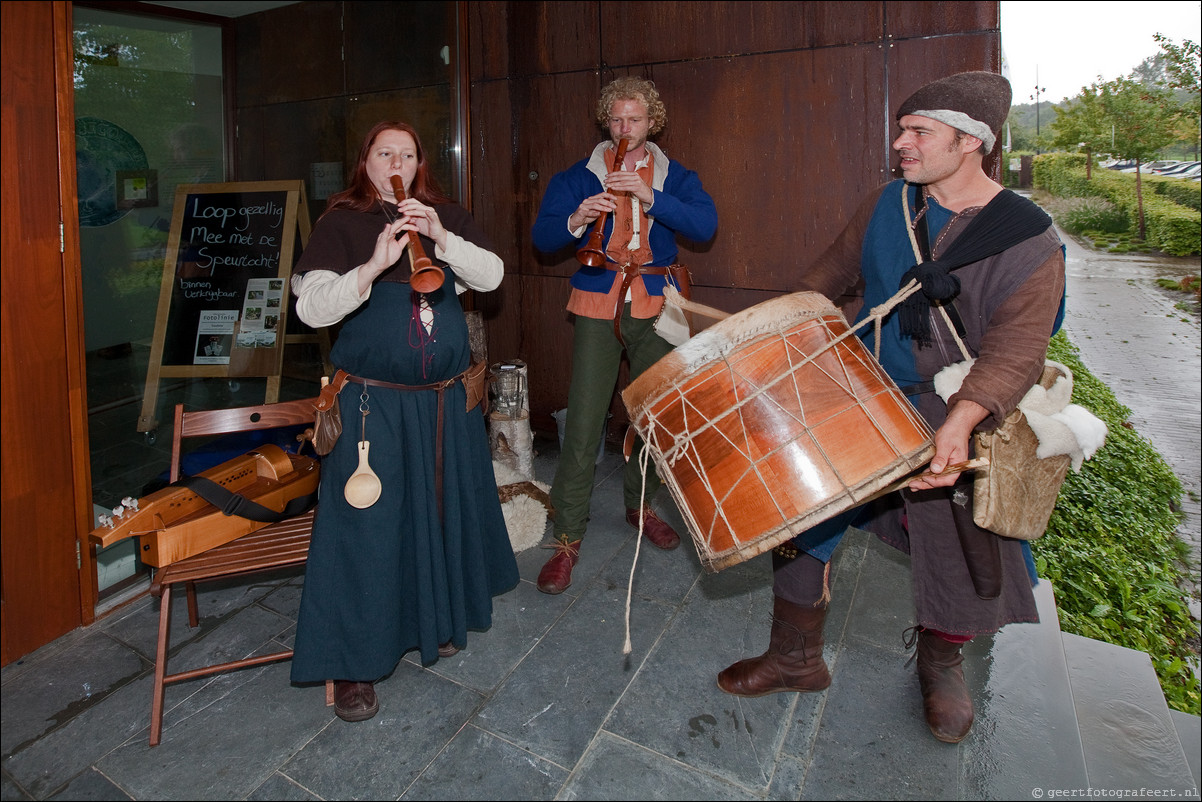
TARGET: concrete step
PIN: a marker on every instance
(1058, 711)
(1130, 738)
(1054, 711)
(1189, 732)
(1025, 736)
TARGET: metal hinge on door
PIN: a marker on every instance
(62, 247)
(78, 557)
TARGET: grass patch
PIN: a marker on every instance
(1111, 550)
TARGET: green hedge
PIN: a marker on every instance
(1180, 192)
(1171, 227)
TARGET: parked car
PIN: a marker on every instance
(1151, 167)
(1178, 169)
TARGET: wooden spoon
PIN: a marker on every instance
(363, 487)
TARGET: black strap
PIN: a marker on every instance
(922, 235)
(918, 389)
(231, 503)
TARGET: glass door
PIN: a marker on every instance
(149, 115)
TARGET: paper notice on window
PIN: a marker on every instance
(261, 313)
(215, 337)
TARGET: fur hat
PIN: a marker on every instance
(976, 103)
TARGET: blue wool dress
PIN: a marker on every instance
(397, 576)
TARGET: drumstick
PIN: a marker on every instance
(959, 467)
(673, 296)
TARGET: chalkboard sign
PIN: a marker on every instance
(223, 302)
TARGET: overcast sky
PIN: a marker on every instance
(1071, 43)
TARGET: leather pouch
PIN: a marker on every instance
(474, 385)
(327, 426)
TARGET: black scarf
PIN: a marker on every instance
(1005, 221)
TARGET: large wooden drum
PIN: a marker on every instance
(767, 423)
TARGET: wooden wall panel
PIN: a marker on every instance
(488, 58)
(554, 127)
(533, 38)
(551, 36)
(499, 188)
(634, 33)
(905, 18)
(780, 143)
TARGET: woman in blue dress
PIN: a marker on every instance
(418, 567)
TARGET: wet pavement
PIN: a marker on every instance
(1133, 337)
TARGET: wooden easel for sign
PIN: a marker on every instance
(224, 298)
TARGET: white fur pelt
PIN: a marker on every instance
(525, 517)
(1061, 427)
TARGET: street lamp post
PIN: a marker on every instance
(1038, 91)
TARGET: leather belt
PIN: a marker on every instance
(438, 387)
(629, 272)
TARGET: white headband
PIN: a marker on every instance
(962, 122)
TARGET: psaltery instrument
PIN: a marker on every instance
(177, 521)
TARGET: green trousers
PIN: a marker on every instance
(596, 357)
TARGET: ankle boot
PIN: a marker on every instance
(945, 699)
(793, 661)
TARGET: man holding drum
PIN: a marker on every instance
(1005, 305)
(637, 200)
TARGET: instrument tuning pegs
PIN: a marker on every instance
(130, 503)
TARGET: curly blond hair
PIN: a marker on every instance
(631, 87)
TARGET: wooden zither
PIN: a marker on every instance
(177, 522)
(770, 422)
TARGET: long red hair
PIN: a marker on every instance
(361, 196)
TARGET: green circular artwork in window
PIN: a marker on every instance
(101, 149)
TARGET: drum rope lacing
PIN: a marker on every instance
(875, 316)
(702, 477)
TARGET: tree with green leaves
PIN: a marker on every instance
(1183, 70)
(1129, 119)
(1081, 123)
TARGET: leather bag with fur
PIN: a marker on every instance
(1016, 494)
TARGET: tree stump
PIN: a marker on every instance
(512, 443)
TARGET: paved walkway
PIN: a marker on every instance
(1133, 338)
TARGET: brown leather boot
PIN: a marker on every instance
(355, 701)
(793, 661)
(945, 698)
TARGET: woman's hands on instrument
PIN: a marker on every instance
(390, 244)
(423, 219)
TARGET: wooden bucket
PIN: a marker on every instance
(763, 426)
